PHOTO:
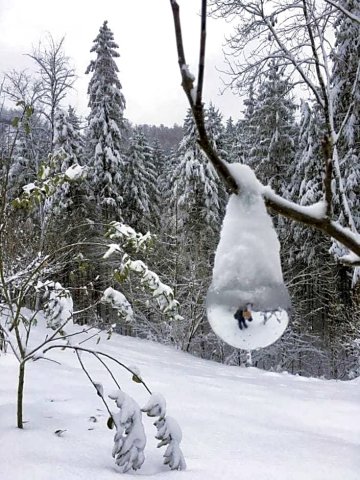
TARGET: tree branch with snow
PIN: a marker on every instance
(313, 216)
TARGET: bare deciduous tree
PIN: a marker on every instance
(56, 73)
(21, 87)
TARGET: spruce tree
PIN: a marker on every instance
(195, 185)
(67, 152)
(271, 130)
(22, 170)
(231, 142)
(247, 130)
(195, 218)
(141, 196)
(106, 125)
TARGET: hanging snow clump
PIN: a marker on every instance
(247, 301)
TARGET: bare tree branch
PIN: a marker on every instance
(201, 53)
(99, 354)
(305, 215)
(57, 76)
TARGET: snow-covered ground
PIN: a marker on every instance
(238, 423)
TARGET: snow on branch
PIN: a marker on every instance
(46, 185)
(163, 294)
(129, 440)
(343, 10)
(75, 172)
(310, 216)
(168, 432)
(131, 238)
(58, 306)
(118, 301)
(28, 274)
(351, 260)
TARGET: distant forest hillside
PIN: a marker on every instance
(168, 137)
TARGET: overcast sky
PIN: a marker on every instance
(143, 30)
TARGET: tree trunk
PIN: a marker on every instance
(20, 395)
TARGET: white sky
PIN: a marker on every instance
(143, 30)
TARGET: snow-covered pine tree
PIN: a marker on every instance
(159, 162)
(305, 182)
(196, 186)
(247, 129)
(67, 152)
(216, 133)
(140, 191)
(315, 282)
(306, 172)
(163, 166)
(106, 125)
(231, 143)
(215, 128)
(271, 131)
(345, 83)
(22, 169)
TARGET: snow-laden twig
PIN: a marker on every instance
(163, 294)
(119, 302)
(168, 432)
(343, 10)
(129, 440)
(129, 237)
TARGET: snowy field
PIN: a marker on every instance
(238, 423)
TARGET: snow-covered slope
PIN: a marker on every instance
(237, 423)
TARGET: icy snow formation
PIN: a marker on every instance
(247, 269)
